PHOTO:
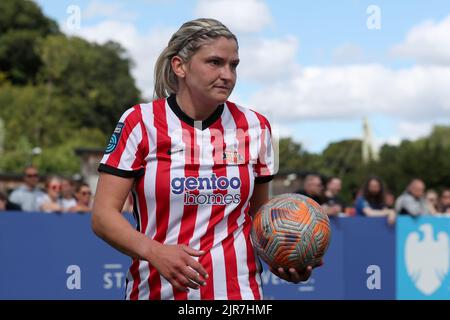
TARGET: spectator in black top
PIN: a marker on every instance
(313, 188)
(332, 203)
(444, 201)
(389, 199)
(6, 205)
(371, 201)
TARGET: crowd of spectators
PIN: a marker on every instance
(374, 200)
(60, 195)
(63, 195)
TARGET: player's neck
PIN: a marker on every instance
(195, 109)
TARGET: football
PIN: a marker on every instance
(291, 230)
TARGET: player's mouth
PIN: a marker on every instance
(225, 88)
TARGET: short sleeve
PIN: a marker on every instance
(360, 205)
(126, 150)
(15, 197)
(264, 169)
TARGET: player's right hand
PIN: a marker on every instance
(295, 275)
(177, 265)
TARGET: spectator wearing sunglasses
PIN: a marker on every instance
(51, 201)
(83, 195)
(27, 195)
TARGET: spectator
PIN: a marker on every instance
(389, 199)
(332, 203)
(312, 187)
(412, 201)
(83, 195)
(371, 202)
(26, 196)
(350, 211)
(432, 200)
(67, 198)
(6, 205)
(51, 202)
(444, 201)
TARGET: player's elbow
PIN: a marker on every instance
(96, 224)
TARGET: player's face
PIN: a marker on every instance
(211, 72)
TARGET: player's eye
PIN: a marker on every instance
(215, 62)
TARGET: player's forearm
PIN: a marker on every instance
(259, 198)
(113, 228)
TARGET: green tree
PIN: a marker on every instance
(344, 160)
(25, 15)
(94, 80)
(22, 23)
(292, 157)
(56, 92)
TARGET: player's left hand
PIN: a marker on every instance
(294, 275)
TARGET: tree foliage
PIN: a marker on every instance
(56, 92)
(22, 24)
(427, 158)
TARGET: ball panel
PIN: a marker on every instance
(291, 230)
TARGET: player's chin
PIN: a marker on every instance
(220, 94)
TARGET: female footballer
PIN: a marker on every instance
(198, 167)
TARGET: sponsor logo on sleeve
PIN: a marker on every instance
(114, 140)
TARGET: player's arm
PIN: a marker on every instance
(259, 197)
(173, 262)
(109, 224)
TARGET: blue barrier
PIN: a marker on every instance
(359, 264)
(55, 256)
(51, 256)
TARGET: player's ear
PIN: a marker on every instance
(178, 66)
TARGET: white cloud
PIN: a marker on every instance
(238, 15)
(268, 60)
(354, 91)
(144, 49)
(110, 10)
(428, 43)
(348, 53)
(414, 130)
(260, 62)
(407, 130)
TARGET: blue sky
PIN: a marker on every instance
(314, 68)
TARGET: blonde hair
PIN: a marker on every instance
(184, 43)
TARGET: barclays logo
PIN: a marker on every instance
(426, 258)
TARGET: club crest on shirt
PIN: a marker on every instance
(114, 140)
(232, 156)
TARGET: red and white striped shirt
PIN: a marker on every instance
(194, 180)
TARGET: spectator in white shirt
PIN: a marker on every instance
(67, 194)
(26, 196)
(51, 202)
